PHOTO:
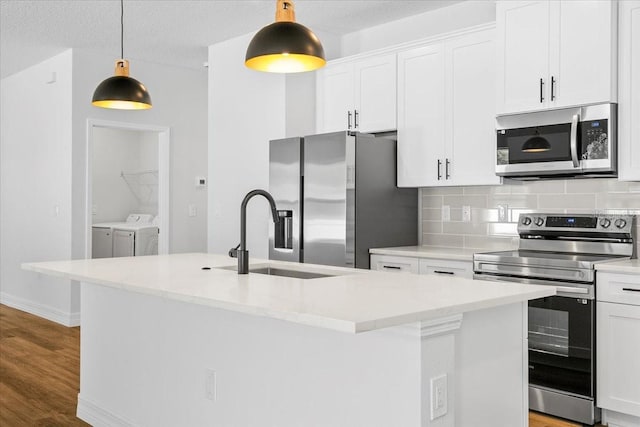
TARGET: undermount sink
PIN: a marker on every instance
(282, 272)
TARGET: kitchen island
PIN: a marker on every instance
(180, 340)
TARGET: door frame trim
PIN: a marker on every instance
(164, 142)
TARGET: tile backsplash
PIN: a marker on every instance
(485, 229)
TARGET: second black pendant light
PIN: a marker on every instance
(285, 46)
(121, 91)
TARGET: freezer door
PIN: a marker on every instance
(285, 156)
(329, 189)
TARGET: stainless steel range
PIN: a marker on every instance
(561, 250)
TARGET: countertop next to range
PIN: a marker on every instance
(627, 266)
(455, 254)
(352, 300)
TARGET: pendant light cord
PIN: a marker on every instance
(122, 29)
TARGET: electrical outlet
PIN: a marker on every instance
(446, 213)
(193, 210)
(438, 396)
(503, 213)
(210, 384)
(466, 213)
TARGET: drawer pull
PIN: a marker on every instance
(631, 289)
(392, 267)
(443, 272)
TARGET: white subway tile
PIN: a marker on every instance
(444, 240)
(566, 201)
(432, 227)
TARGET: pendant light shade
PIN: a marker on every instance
(121, 91)
(285, 46)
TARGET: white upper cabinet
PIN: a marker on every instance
(446, 110)
(523, 55)
(358, 95)
(421, 116)
(555, 54)
(335, 97)
(470, 133)
(629, 93)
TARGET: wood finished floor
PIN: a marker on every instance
(40, 373)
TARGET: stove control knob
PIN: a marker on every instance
(539, 221)
(526, 220)
(605, 223)
(620, 223)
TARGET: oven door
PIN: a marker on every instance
(561, 344)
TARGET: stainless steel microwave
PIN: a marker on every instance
(579, 141)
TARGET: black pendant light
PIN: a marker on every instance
(121, 91)
(285, 46)
(536, 144)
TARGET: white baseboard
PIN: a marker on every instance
(617, 419)
(93, 414)
(41, 310)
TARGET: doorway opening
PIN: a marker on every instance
(127, 212)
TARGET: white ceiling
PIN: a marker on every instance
(169, 31)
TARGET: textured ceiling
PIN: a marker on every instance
(169, 31)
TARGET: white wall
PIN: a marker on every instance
(117, 151)
(179, 97)
(35, 208)
(246, 110)
(44, 158)
(444, 20)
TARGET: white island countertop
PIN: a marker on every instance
(351, 301)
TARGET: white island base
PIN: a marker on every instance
(153, 361)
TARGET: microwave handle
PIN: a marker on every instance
(574, 140)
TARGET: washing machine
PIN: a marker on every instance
(137, 235)
(135, 240)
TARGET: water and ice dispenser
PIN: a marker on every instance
(284, 230)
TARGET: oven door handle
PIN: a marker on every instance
(572, 289)
(574, 140)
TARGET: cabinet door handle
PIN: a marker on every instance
(553, 85)
(444, 272)
(355, 119)
(392, 267)
(348, 119)
(446, 169)
(631, 289)
(541, 91)
(439, 165)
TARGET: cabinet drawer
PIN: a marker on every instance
(447, 267)
(394, 264)
(620, 288)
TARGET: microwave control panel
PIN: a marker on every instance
(594, 139)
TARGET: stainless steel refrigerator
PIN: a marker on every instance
(337, 197)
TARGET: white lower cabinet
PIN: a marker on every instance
(394, 264)
(402, 264)
(618, 347)
(447, 267)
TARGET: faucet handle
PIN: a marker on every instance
(233, 252)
